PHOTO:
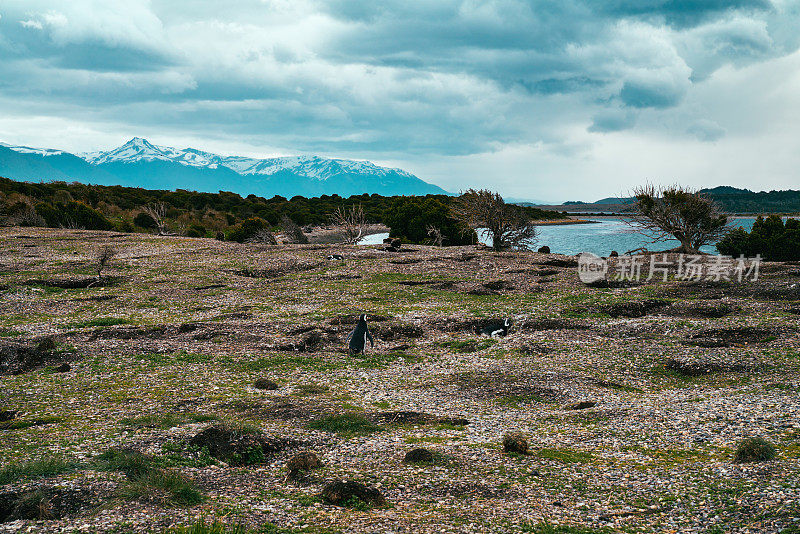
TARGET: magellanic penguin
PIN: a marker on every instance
(496, 328)
(359, 336)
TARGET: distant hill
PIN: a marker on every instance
(139, 163)
(731, 199)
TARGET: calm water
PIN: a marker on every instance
(599, 238)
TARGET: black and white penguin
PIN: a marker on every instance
(496, 328)
(359, 336)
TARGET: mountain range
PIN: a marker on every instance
(139, 163)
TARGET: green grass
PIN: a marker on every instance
(549, 528)
(9, 332)
(217, 527)
(165, 485)
(47, 467)
(100, 321)
(566, 456)
(347, 424)
(27, 423)
(464, 347)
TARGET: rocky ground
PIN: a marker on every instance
(184, 384)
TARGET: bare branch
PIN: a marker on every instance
(352, 222)
(507, 225)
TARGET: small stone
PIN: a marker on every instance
(544, 250)
(418, 456)
(265, 384)
(64, 368)
(516, 443)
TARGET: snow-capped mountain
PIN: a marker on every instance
(140, 163)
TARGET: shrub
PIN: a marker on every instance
(409, 219)
(145, 221)
(247, 229)
(196, 230)
(773, 239)
(14, 472)
(754, 450)
(73, 215)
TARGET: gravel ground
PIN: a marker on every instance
(174, 337)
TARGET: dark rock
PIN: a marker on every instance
(64, 368)
(583, 405)
(46, 345)
(498, 285)
(544, 250)
(266, 384)
(240, 447)
(418, 456)
(516, 443)
(188, 327)
(7, 415)
(561, 262)
(614, 254)
(341, 493)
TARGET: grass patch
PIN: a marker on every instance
(27, 423)
(166, 486)
(347, 424)
(100, 321)
(9, 332)
(47, 467)
(517, 401)
(382, 361)
(549, 528)
(566, 456)
(308, 390)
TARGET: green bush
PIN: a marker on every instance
(247, 229)
(773, 239)
(196, 230)
(410, 217)
(754, 450)
(73, 215)
(143, 220)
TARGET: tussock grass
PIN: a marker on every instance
(46, 467)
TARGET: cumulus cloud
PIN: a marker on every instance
(393, 79)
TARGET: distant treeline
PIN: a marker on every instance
(733, 200)
(61, 204)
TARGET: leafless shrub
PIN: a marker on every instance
(27, 217)
(158, 212)
(437, 238)
(506, 224)
(352, 222)
(263, 237)
(675, 212)
(292, 232)
(104, 255)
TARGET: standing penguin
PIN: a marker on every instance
(358, 337)
(496, 328)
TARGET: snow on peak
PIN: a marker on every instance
(29, 150)
(315, 167)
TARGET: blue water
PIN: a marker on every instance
(598, 238)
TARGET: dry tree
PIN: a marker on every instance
(351, 221)
(675, 212)
(158, 212)
(292, 232)
(437, 238)
(104, 255)
(507, 225)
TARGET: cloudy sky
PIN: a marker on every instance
(542, 99)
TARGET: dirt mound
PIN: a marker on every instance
(537, 325)
(711, 310)
(45, 503)
(131, 332)
(346, 494)
(416, 418)
(240, 447)
(727, 337)
(634, 308)
(17, 358)
(688, 367)
(352, 319)
(396, 330)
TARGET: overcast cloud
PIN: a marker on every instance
(574, 99)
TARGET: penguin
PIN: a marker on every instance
(332, 257)
(496, 328)
(358, 337)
